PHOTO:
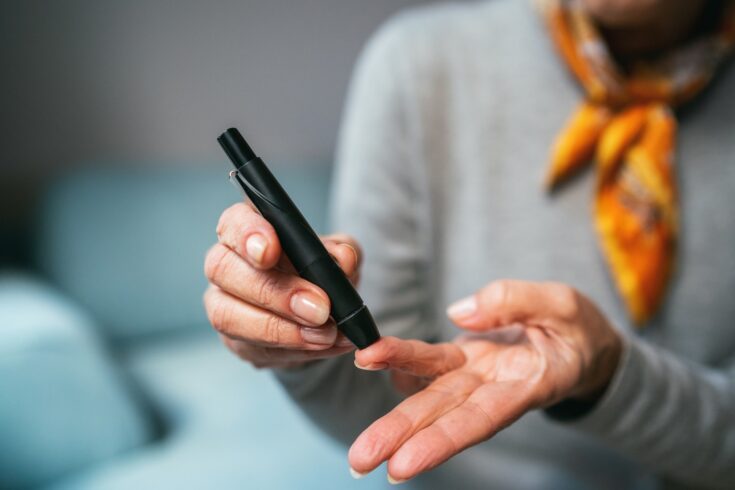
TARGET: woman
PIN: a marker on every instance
(448, 127)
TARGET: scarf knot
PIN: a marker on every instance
(627, 126)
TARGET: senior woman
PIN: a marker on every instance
(595, 346)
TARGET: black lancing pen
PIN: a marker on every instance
(299, 242)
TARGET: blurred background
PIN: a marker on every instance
(111, 183)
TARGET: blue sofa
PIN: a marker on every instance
(110, 376)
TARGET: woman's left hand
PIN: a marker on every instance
(531, 345)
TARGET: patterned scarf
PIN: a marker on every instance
(627, 125)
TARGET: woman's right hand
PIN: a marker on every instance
(264, 312)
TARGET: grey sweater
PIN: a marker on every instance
(445, 140)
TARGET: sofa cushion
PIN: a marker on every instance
(129, 243)
(227, 426)
(62, 404)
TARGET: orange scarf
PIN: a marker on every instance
(627, 124)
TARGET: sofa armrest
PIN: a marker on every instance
(63, 404)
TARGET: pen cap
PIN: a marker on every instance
(236, 148)
(360, 328)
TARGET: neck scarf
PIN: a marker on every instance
(627, 125)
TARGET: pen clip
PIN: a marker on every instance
(241, 183)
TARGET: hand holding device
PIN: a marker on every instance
(300, 244)
(265, 312)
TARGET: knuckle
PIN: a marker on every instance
(498, 293)
(272, 331)
(566, 299)
(232, 221)
(219, 313)
(224, 219)
(266, 290)
(217, 262)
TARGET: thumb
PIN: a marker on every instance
(501, 303)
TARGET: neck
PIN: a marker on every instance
(657, 34)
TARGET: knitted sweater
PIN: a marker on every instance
(446, 134)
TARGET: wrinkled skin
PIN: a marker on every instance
(527, 345)
(531, 345)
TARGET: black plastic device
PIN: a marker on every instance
(299, 242)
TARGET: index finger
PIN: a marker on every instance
(386, 435)
(242, 229)
(489, 409)
(411, 356)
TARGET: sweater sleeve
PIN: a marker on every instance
(676, 417)
(376, 199)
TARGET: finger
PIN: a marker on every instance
(379, 441)
(345, 256)
(347, 241)
(486, 411)
(245, 231)
(410, 356)
(284, 294)
(262, 357)
(507, 301)
(235, 318)
(343, 248)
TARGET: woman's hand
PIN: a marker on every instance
(532, 345)
(264, 312)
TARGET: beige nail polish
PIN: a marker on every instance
(255, 247)
(463, 308)
(309, 308)
(319, 335)
(376, 366)
(393, 481)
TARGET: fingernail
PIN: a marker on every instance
(309, 308)
(463, 308)
(393, 481)
(376, 366)
(255, 247)
(318, 335)
(353, 249)
(356, 474)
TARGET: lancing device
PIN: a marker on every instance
(301, 245)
